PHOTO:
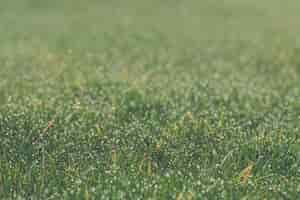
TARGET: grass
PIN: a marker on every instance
(149, 100)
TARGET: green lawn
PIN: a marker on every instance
(111, 99)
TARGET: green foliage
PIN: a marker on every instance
(149, 100)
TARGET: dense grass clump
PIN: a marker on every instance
(149, 100)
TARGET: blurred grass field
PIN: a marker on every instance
(110, 99)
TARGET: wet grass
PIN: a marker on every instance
(149, 100)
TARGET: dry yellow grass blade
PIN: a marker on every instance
(246, 173)
(149, 168)
(146, 162)
(184, 195)
(179, 196)
(114, 155)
